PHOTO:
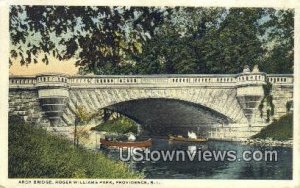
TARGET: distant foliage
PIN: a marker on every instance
(35, 154)
(120, 125)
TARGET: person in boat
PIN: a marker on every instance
(108, 138)
(131, 137)
(192, 135)
(111, 137)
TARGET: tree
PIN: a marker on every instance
(234, 43)
(210, 40)
(278, 32)
(102, 38)
(82, 118)
(168, 55)
(149, 40)
(176, 46)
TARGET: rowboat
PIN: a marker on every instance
(123, 144)
(182, 139)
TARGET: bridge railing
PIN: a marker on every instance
(164, 79)
(281, 78)
(102, 80)
(230, 79)
(252, 77)
(51, 78)
(22, 80)
(205, 79)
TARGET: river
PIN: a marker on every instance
(213, 169)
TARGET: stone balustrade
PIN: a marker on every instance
(281, 78)
(51, 80)
(230, 79)
(149, 79)
(252, 77)
(24, 80)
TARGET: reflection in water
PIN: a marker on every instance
(282, 169)
(192, 149)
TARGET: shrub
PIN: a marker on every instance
(281, 129)
(121, 125)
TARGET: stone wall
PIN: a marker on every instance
(282, 94)
(233, 132)
(25, 103)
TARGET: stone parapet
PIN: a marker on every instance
(235, 80)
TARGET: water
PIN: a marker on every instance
(281, 169)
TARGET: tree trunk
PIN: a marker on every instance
(75, 132)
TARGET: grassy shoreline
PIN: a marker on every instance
(34, 153)
(281, 130)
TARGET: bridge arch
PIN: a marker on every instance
(220, 100)
(125, 107)
(160, 116)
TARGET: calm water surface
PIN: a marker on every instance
(282, 169)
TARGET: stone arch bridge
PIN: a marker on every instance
(234, 101)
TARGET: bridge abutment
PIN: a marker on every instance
(53, 95)
(250, 93)
(25, 104)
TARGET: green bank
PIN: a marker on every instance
(281, 129)
(34, 153)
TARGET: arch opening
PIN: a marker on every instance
(161, 117)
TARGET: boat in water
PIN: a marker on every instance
(126, 144)
(183, 139)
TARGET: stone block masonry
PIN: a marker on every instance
(25, 103)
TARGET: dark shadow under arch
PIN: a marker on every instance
(166, 116)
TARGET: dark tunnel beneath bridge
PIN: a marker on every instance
(161, 117)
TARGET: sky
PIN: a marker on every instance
(55, 66)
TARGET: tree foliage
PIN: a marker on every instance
(100, 37)
(222, 41)
(279, 42)
(153, 40)
(82, 118)
(121, 125)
